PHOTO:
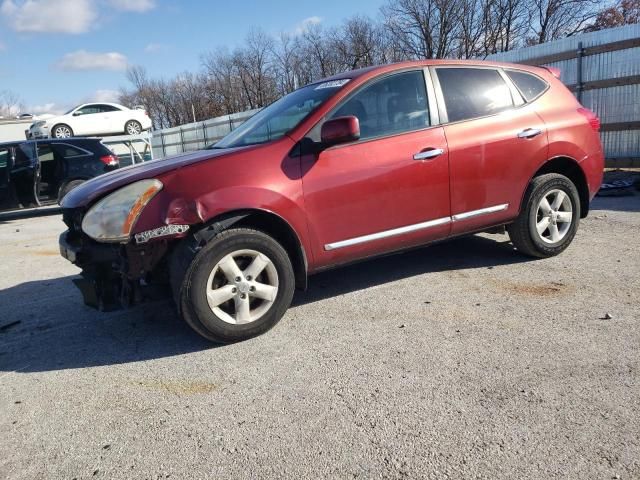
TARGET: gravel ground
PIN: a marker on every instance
(462, 360)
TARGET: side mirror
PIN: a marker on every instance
(77, 113)
(340, 130)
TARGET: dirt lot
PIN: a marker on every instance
(463, 360)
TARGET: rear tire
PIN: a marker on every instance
(132, 127)
(218, 291)
(549, 217)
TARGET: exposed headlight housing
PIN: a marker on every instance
(113, 217)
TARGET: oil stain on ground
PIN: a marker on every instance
(178, 387)
(534, 289)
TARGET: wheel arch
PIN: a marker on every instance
(267, 222)
(570, 168)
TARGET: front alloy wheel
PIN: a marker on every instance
(242, 286)
(235, 287)
(62, 131)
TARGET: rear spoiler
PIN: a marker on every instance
(553, 70)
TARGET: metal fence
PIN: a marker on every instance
(603, 70)
(195, 136)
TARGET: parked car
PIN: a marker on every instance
(92, 119)
(42, 172)
(353, 166)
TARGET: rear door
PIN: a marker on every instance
(493, 138)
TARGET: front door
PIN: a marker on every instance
(25, 174)
(6, 161)
(386, 191)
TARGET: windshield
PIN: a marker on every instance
(274, 121)
(67, 113)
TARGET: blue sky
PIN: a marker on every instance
(57, 53)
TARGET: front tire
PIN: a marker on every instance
(238, 286)
(549, 217)
(61, 131)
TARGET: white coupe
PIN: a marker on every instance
(92, 119)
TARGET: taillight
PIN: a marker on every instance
(591, 117)
(110, 160)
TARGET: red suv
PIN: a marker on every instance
(356, 165)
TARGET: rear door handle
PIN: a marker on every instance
(428, 154)
(529, 133)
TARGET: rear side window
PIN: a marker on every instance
(68, 151)
(108, 108)
(473, 92)
(529, 85)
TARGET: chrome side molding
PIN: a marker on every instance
(387, 233)
(412, 228)
(483, 211)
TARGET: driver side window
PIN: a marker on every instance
(87, 110)
(392, 105)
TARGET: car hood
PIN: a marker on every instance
(89, 191)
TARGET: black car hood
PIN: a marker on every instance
(89, 191)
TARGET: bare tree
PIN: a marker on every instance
(553, 19)
(424, 29)
(264, 68)
(10, 104)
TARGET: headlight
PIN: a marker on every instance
(113, 217)
(39, 123)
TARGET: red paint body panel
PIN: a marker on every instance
(491, 166)
(367, 187)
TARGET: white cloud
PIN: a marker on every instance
(83, 60)
(133, 5)
(153, 47)
(46, 16)
(105, 95)
(47, 109)
(304, 25)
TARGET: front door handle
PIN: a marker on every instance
(428, 154)
(529, 133)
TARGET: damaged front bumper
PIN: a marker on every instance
(116, 275)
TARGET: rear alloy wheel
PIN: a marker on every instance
(133, 127)
(549, 218)
(62, 131)
(237, 286)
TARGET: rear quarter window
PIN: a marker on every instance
(69, 151)
(530, 85)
